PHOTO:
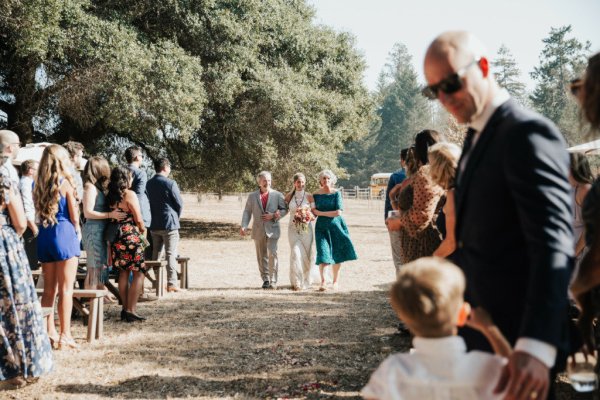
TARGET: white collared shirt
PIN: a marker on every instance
(436, 369)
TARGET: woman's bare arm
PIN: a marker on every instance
(134, 206)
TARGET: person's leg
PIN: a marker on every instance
(134, 291)
(262, 257)
(171, 243)
(322, 272)
(273, 261)
(157, 244)
(396, 249)
(336, 274)
(66, 271)
(124, 289)
(50, 289)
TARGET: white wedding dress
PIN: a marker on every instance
(302, 254)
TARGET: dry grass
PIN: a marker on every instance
(226, 338)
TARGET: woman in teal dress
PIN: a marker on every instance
(332, 238)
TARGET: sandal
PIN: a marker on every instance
(67, 343)
(54, 341)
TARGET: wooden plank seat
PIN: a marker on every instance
(95, 314)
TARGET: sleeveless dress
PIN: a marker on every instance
(24, 346)
(93, 240)
(332, 237)
(58, 242)
(301, 245)
(128, 249)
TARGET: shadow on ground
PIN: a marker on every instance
(303, 345)
(208, 230)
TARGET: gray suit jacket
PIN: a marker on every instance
(254, 210)
(138, 185)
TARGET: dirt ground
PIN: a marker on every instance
(227, 338)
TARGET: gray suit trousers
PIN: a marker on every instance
(266, 255)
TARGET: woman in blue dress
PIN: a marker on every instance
(331, 233)
(58, 239)
(25, 352)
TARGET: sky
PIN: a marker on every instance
(520, 25)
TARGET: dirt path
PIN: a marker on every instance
(226, 338)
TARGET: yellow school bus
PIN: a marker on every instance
(378, 184)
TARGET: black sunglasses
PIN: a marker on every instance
(575, 86)
(448, 85)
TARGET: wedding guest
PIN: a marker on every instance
(418, 236)
(581, 179)
(265, 207)
(25, 351)
(28, 172)
(428, 297)
(513, 213)
(585, 286)
(395, 179)
(135, 158)
(443, 160)
(331, 233)
(11, 143)
(166, 206)
(75, 150)
(58, 239)
(96, 175)
(127, 249)
(300, 234)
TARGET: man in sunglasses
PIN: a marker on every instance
(513, 213)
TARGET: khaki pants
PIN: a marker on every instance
(395, 242)
(266, 255)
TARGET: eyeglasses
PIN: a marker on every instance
(450, 84)
(575, 86)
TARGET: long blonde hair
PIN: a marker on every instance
(46, 193)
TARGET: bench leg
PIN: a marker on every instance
(100, 312)
(160, 290)
(184, 275)
(92, 320)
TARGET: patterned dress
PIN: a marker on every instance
(332, 237)
(24, 346)
(128, 247)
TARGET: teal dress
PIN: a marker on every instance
(331, 234)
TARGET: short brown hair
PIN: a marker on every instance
(73, 147)
(97, 172)
(443, 160)
(428, 295)
(26, 166)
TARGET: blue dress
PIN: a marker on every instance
(24, 346)
(331, 234)
(58, 242)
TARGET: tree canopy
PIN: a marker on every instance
(223, 88)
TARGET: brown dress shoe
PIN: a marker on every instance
(173, 288)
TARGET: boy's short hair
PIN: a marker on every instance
(73, 147)
(428, 295)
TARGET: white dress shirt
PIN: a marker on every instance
(26, 189)
(436, 369)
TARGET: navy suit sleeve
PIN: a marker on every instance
(136, 184)
(536, 165)
(177, 200)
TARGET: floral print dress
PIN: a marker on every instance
(128, 247)
(24, 345)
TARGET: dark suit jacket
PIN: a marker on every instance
(138, 185)
(513, 228)
(166, 204)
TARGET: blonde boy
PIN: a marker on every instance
(428, 297)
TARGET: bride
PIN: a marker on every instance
(300, 236)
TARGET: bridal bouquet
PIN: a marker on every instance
(302, 217)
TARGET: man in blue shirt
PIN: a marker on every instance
(395, 179)
(166, 206)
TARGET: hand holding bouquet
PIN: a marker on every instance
(302, 218)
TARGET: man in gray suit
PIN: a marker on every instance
(267, 207)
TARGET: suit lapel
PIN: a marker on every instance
(477, 153)
(269, 199)
(260, 206)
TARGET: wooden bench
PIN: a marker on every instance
(95, 314)
(183, 272)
